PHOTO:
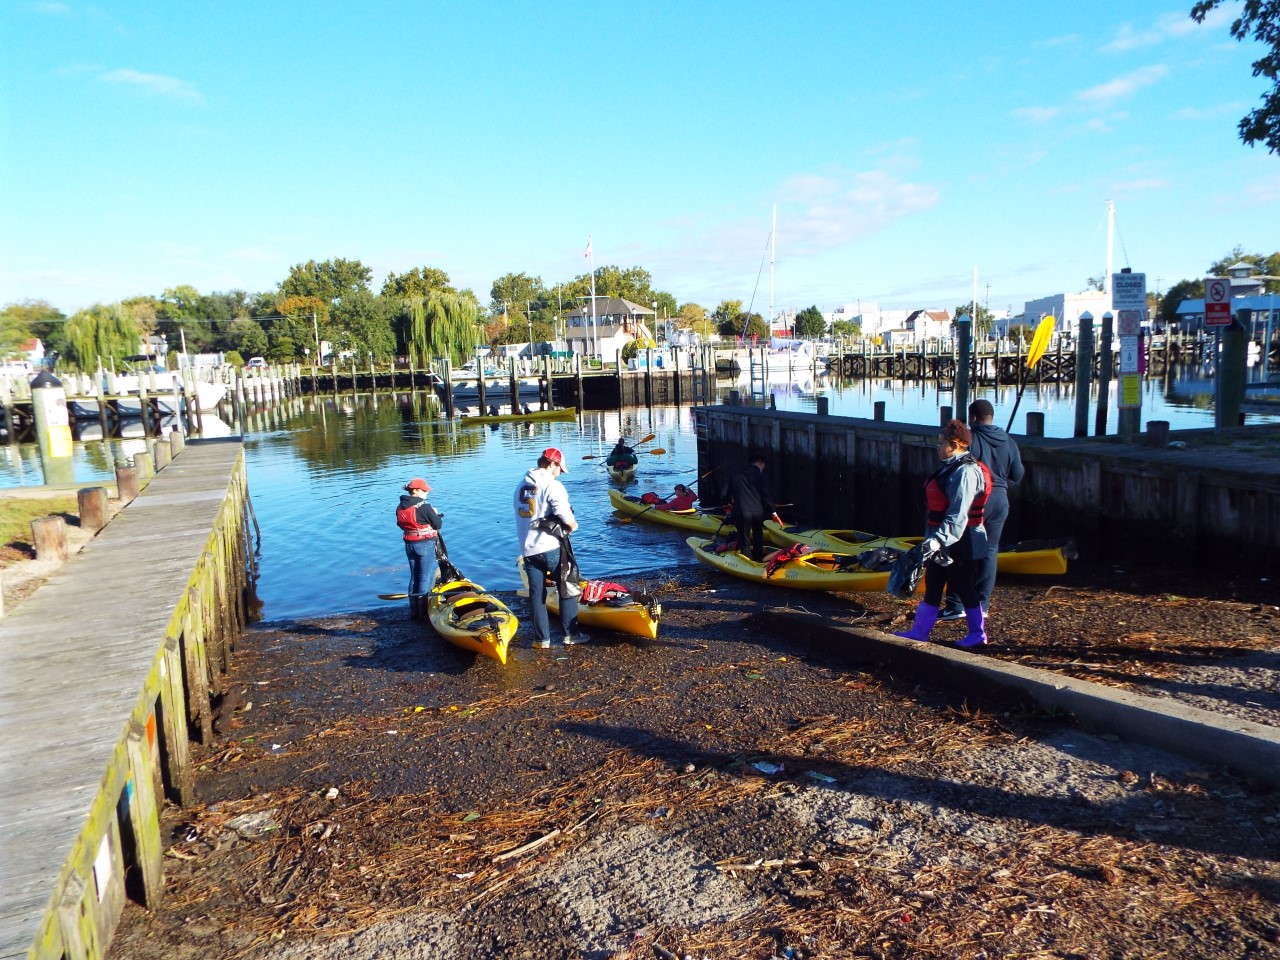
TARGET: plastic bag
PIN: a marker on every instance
(906, 573)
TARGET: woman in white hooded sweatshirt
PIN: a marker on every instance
(540, 497)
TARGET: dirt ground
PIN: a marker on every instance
(733, 789)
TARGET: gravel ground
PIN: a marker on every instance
(732, 789)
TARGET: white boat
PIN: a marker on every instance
(160, 383)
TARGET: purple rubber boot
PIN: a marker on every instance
(977, 635)
(926, 617)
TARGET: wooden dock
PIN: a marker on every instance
(104, 672)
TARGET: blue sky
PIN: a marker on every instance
(151, 144)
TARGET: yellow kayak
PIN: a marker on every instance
(466, 616)
(566, 414)
(816, 570)
(637, 614)
(699, 521)
(1047, 557)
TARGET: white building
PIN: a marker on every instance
(616, 323)
(1066, 308)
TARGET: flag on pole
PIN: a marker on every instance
(587, 252)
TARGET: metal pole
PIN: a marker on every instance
(1104, 377)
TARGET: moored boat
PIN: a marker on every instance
(700, 521)
(468, 617)
(812, 570)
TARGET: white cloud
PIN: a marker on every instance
(154, 84)
(830, 211)
(1128, 188)
(1037, 114)
(1266, 190)
(1212, 113)
(1171, 26)
(1123, 85)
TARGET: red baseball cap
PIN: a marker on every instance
(555, 456)
(417, 483)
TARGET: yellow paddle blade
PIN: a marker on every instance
(1040, 342)
(657, 450)
(645, 439)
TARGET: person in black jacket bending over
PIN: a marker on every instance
(752, 505)
(995, 448)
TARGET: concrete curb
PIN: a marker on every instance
(1247, 747)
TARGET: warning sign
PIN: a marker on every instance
(1130, 391)
(1217, 302)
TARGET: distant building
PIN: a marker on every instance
(929, 324)
(1066, 308)
(617, 322)
(1246, 294)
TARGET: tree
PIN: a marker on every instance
(1093, 283)
(300, 319)
(515, 290)
(247, 338)
(1267, 266)
(810, 323)
(364, 324)
(443, 325)
(984, 323)
(19, 322)
(846, 328)
(733, 321)
(329, 281)
(1261, 19)
(418, 282)
(1182, 290)
(101, 334)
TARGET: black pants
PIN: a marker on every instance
(753, 526)
(960, 577)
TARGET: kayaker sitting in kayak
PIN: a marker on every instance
(682, 499)
(621, 456)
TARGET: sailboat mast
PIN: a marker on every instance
(773, 249)
(1111, 230)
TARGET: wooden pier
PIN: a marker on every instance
(104, 674)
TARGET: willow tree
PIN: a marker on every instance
(102, 333)
(442, 325)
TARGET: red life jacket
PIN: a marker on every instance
(407, 520)
(785, 554)
(597, 591)
(681, 501)
(936, 500)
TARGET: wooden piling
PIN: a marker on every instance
(91, 504)
(126, 484)
(49, 537)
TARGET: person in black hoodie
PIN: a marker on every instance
(752, 505)
(997, 450)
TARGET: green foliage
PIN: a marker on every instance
(1182, 290)
(515, 290)
(1093, 283)
(364, 322)
(723, 315)
(732, 321)
(984, 323)
(329, 281)
(234, 358)
(846, 328)
(1267, 266)
(19, 322)
(246, 338)
(810, 323)
(442, 325)
(419, 282)
(1020, 331)
(101, 333)
(1261, 20)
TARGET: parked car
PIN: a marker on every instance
(255, 363)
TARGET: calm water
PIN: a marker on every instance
(325, 475)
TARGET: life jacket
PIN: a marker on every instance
(785, 554)
(598, 591)
(650, 497)
(681, 501)
(935, 497)
(407, 520)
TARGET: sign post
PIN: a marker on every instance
(1129, 301)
